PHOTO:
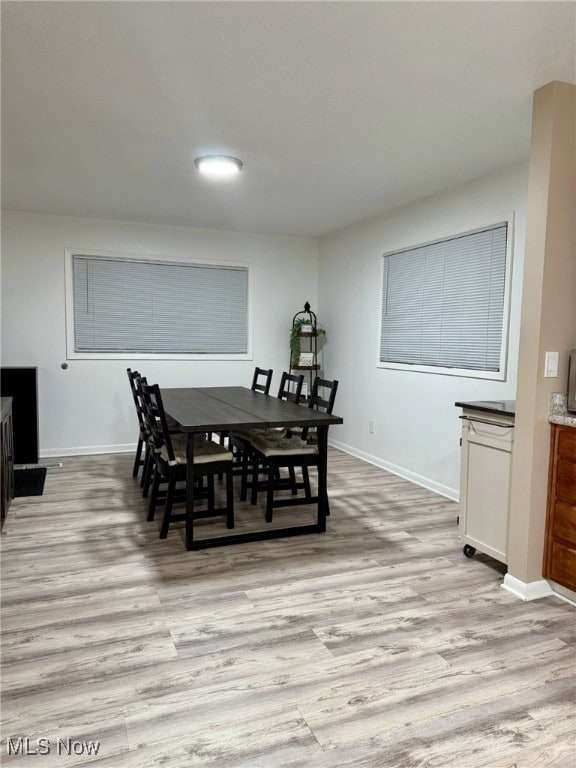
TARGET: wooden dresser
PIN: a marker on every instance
(560, 543)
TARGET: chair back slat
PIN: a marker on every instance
(291, 387)
(262, 380)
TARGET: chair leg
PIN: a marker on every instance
(292, 475)
(270, 492)
(229, 499)
(148, 472)
(306, 478)
(167, 509)
(153, 496)
(145, 465)
(254, 489)
(244, 477)
(137, 458)
(211, 504)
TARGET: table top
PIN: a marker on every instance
(207, 409)
(505, 407)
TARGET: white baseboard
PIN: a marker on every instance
(424, 482)
(87, 450)
(533, 590)
(563, 593)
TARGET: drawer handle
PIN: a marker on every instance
(485, 421)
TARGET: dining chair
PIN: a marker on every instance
(170, 467)
(237, 442)
(290, 390)
(139, 460)
(276, 453)
(261, 381)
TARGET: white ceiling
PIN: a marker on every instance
(339, 110)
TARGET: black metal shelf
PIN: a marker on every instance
(309, 345)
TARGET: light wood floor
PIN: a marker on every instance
(375, 645)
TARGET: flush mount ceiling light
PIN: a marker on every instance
(218, 165)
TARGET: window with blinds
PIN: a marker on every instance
(137, 306)
(444, 304)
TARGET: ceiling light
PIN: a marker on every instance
(218, 165)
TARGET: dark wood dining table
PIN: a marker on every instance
(221, 409)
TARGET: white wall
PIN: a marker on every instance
(417, 428)
(88, 407)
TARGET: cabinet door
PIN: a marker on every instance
(486, 520)
(560, 546)
(485, 486)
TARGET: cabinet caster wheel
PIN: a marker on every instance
(469, 551)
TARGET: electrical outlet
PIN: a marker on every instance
(371, 429)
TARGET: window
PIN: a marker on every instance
(444, 305)
(127, 306)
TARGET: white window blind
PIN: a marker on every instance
(443, 302)
(141, 306)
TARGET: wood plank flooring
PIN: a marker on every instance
(375, 645)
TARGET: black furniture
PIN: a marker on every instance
(21, 384)
(172, 466)
(139, 461)
(261, 382)
(275, 453)
(304, 346)
(226, 408)
(6, 458)
(289, 390)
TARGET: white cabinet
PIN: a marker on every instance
(486, 461)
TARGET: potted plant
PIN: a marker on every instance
(300, 326)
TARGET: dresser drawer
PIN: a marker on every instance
(563, 565)
(567, 443)
(566, 481)
(565, 522)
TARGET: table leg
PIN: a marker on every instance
(323, 506)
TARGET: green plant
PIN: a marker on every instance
(295, 332)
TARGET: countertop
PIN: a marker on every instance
(505, 407)
(557, 413)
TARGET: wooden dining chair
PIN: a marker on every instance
(170, 467)
(261, 381)
(277, 453)
(290, 390)
(139, 459)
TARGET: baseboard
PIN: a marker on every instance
(424, 482)
(563, 593)
(533, 590)
(88, 450)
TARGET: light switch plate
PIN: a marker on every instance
(551, 365)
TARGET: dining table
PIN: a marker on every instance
(197, 410)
